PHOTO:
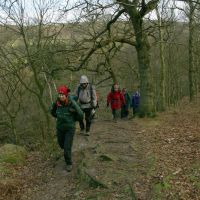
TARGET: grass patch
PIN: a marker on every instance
(129, 192)
(160, 188)
(10, 153)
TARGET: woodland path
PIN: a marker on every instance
(114, 156)
(144, 159)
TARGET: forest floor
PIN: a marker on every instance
(144, 159)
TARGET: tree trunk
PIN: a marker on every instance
(147, 107)
(162, 98)
(46, 115)
(191, 73)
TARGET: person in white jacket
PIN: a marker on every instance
(87, 98)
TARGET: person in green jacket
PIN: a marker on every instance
(125, 107)
(67, 112)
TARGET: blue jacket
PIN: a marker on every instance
(135, 101)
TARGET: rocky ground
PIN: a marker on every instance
(146, 159)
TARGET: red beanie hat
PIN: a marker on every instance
(63, 90)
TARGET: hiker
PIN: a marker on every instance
(135, 102)
(125, 107)
(87, 98)
(66, 110)
(116, 100)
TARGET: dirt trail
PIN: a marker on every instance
(114, 156)
(144, 159)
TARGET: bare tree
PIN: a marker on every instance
(35, 35)
(191, 10)
(192, 68)
(11, 102)
(134, 11)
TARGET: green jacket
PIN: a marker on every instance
(127, 99)
(66, 115)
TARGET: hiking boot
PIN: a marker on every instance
(69, 168)
(87, 133)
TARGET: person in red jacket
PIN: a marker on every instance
(115, 99)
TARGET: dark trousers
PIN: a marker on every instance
(65, 141)
(88, 119)
(116, 114)
(124, 112)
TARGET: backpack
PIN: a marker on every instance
(79, 89)
(75, 114)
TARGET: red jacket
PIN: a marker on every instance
(116, 100)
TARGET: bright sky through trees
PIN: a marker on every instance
(52, 10)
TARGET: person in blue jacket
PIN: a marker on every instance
(135, 102)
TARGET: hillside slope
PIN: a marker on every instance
(132, 159)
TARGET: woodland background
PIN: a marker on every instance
(146, 45)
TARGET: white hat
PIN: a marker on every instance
(84, 79)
